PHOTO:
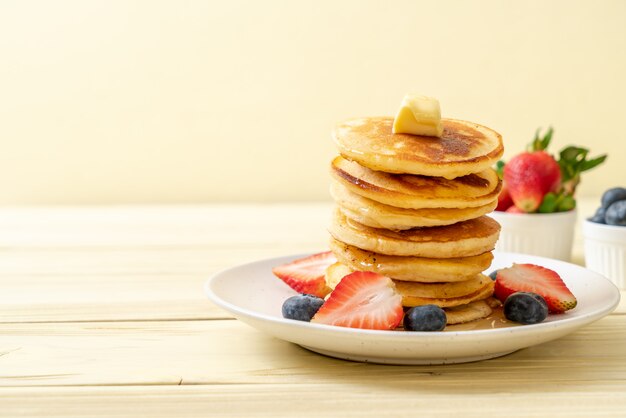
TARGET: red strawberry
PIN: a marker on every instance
(535, 279)
(529, 176)
(362, 300)
(306, 275)
(504, 199)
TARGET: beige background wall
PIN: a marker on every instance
(195, 101)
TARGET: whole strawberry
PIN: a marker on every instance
(529, 176)
(536, 182)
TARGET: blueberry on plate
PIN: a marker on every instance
(613, 195)
(525, 308)
(493, 275)
(425, 318)
(616, 214)
(598, 217)
(302, 307)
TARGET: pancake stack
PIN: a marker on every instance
(413, 208)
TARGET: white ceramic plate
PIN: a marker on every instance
(252, 294)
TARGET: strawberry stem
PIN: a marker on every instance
(541, 143)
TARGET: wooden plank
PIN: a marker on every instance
(104, 284)
(54, 264)
(226, 352)
(381, 398)
(168, 310)
(214, 226)
(117, 284)
(144, 263)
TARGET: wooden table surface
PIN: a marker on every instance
(103, 314)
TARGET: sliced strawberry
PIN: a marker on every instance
(535, 279)
(306, 275)
(504, 199)
(362, 300)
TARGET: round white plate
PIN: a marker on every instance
(254, 295)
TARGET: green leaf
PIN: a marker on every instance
(573, 154)
(541, 143)
(547, 138)
(549, 203)
(567, 171)
(500, 168)
(568, 203)
(535, 142)
(589, 164)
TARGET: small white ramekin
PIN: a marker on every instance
(544, 234)
(605, 251)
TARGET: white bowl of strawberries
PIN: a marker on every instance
(537, 208)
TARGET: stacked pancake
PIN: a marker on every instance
(413, 208)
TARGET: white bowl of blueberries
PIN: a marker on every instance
(605, 237)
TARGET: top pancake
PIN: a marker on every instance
(463, 148)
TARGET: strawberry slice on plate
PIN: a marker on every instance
(535, 279)
(363, 300)
(306, 275)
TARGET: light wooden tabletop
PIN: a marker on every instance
(103, 314)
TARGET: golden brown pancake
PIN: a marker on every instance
(378, 215)
(463, 148)
(466, 313)
(416, 294)
(408, 299)
(413, 269)
(417, 192)
(464, 239)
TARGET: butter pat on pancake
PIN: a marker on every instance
(463, 148)
(417, 192)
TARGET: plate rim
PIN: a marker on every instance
(345, 331)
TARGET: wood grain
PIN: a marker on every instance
(230, 352)
(138, 263)
(382, 398)
(102, 314)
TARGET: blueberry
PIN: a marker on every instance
(598, 217)
(302, 307)
(493, 275)
(525, 308)
(613, 195)
(616, 214)
(425, 318)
